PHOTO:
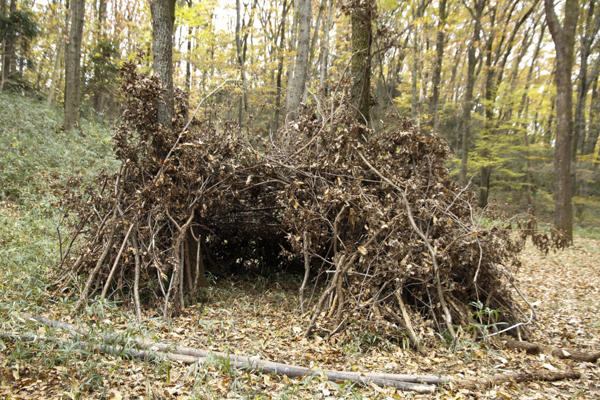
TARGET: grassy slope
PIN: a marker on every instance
(36, 160)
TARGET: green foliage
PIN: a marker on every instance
(38, 158)
(19, 24)
(36, 161)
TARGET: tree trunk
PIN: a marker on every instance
(360, 93)
(465, 123)
(72, 65)
(415, 69)
(55, 71)
(301, 68)
(437, 69)
(286, 7)
(592, 138)
(163, 16)
(293, 56)
(313, 43)
(590, 33)
(325, 53)
(485, 151)
(9, 48)
(100, 80)
(523, 110)
(564, 42)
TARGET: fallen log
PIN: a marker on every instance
(149, 350)
(524, 376)
(534, 348)
(147, 344)
(243, 363)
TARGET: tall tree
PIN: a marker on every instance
(360, 91)
(325, 51)
(564, 43)
(8, 43)
(301, 68)
(465, 123)
(588, 37)
(437, 69)
(163, 17)
(72, 64)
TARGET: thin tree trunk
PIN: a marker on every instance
(301, 68)
(163, 16)
(465, 123)
(286, 7)
(523, 111)
(72, 67)
(360, 91)
(315, 36)
(564, 41)
(55, 70)
(9, 49)
(99, 94)
(293, 56)
(590, 33)
(437, 69)
(325, 52)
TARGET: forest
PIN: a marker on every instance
(481, 75)
(299, 199)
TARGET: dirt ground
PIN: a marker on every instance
(260, 318)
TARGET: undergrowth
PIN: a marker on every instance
(36, 161)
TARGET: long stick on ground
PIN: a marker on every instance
(156, 351)
(406, 382)
(188, 355)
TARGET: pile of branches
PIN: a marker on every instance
(386, 236)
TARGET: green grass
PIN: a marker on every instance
(36, 160)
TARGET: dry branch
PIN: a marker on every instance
(534, 348)
(149, 349)
(517, 377)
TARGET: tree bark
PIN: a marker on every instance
(325, 53)
(9, 48)
(163, 16)
(293, 38)
(301, 68)
(72, 67)
(360, 93)
(437, 69)
(592, 26)
(99, 95)
(286, 7)
(564, 42)
(465, 123)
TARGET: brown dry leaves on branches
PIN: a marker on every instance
(388, 238)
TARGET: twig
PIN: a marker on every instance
(136, 281)
(83, 297)
(113, 269)
(189, 122)
(306, 272)
(339, 272)
(411, 333)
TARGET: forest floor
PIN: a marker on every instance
(260, 318)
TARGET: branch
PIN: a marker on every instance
(419, 232)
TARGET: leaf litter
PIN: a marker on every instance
(240, 318)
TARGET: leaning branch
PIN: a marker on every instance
(419, 232)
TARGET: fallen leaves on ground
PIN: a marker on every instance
(260, 318)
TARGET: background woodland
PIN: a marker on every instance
(481, 74)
